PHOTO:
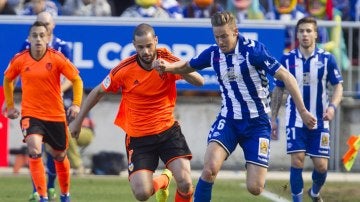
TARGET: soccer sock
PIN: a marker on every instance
(63, 172)
(34, 188)
(203, 191)
(318, 181)
(296, 183)
(160, 182)
(51, 171)
(37, 172)
(183, 197)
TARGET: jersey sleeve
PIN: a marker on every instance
(12, 70)
(68, 69)
(203, 60)
(111, 83)
(280, 83)
(262, 59)
(334, 74)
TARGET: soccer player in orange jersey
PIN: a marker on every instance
(146, 114)
(43, 116)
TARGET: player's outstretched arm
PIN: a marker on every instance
(194, 78)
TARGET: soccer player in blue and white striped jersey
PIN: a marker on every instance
(314, 70)
(241, 65)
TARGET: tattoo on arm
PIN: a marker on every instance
(276, 100)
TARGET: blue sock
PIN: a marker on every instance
(51, 171)
(296, 183)
(318, 181)
(34, 189)
(203, 191)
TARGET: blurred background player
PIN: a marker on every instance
(40, 69)
(63, 47)
(315, 69)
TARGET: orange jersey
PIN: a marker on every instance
(40, 83)
(148, 98)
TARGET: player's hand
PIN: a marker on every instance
(12, 113)
(72, 112)
(75, 128)
(274, 130)
(159, 65)
(308, 119)
(329, 114)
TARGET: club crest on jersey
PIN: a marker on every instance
(48, 66)
(106, 82)
(131, 167)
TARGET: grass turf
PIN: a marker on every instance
(117, 189)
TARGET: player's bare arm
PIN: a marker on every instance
(92, 99)
(335, 101)
(291, 85)
(276, 99)
(179, 67)
(194, 78)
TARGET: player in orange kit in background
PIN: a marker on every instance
(42, 111)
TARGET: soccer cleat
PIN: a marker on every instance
(34, 197)
(163, 194)
(65, 198)
(315, 198)
(51, 194)
(43, 199)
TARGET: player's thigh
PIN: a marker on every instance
(255, 175)
(141, 181)
(180, 169)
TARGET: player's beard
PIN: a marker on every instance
(148, 62)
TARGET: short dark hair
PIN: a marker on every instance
(38, 24)
(307, 19)
(221, 18)
(143, 29)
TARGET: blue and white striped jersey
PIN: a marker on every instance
(313, 76)
(242, 77)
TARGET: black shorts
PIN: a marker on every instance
(143, 153)
(54, 133)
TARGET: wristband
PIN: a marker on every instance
(333, 106)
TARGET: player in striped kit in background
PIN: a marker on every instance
(241, 65)
(313, 69)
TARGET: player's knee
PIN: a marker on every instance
(321, 168)
(209, 173)
(142, 195)
(185, 186)
(255, 189)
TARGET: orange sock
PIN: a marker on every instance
(37, 172)
(63, 173)
(160, 182)
(181, 197)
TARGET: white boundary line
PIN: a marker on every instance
(270, 195)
